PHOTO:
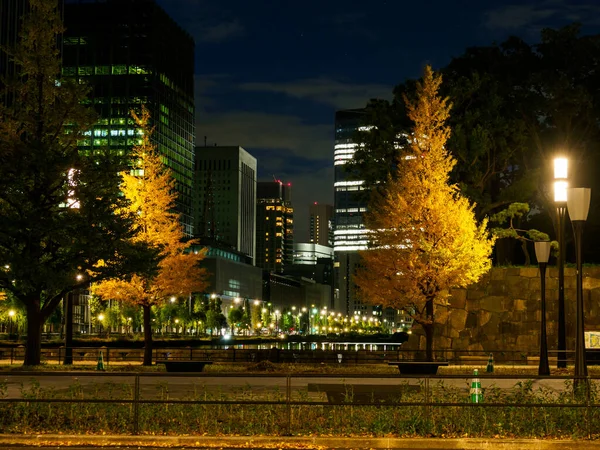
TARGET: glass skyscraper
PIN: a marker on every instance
(131, 53)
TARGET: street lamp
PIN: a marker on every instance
(11, 314)
(578, 204)
(560, 199)
(542, 253)
(100, 319)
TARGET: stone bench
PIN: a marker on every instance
(184, 366)
(418, 367)
(363, 393)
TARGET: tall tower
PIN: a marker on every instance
(11, 15)
(225, 197)
(274, 226)
(349, 233)
(321, 224)
(131, 53)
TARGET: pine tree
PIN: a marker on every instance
(56, 206)
(171, 270)
(425, 239)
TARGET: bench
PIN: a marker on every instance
(418, 367)
(364, 393)
(184, 366)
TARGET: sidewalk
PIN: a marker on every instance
(294, 442)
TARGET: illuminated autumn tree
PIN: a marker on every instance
(425, 238)
(171, 270)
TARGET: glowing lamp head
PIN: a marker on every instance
(560, 190)
(561, 166)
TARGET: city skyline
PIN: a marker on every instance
(271, 79)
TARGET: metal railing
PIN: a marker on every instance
(422, 396)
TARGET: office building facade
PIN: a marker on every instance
(225, 197)
(274, 226)
(321, 223)
(131, 53)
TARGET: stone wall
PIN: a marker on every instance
(503, 311)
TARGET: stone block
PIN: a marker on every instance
(474, 294)
(519, 305)
(458, 298)
(498, 274)
(483, 317)
(498, 287)
(591, 283)
(530, 272)
(441, 314)
(492, 303)
(457, 319)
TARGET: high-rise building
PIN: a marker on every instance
(11, 15)
(349, 205)
(131, 53)
(274, 226)
(321, 223)
(225, 197)
(350, 234)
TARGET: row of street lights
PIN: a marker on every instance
(577, 202)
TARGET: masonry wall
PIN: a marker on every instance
(503, 311)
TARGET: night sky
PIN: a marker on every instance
(271, 74)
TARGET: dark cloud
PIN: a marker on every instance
(288, 135)
(534, 16)
(339, 94)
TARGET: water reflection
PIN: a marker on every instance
(370, 346)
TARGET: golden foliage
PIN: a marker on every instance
(425, 236)
(150, 189)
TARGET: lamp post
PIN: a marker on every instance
(542, 253)
(100, 319)
(578, 204)
(560, 199)
(11, 314)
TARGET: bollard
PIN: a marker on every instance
(476, 393)
(100, 365)
(490, 364)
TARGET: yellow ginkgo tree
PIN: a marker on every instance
(424, 236)
(169, 269)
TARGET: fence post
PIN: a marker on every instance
(428, 406)
(136, 412)
(587, 406)
(288, 395)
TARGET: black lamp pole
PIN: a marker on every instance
(578, 202)
(542, 253)
(562, 335)
(560, 198)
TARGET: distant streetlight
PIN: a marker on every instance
(561, 184)
(578, 204)
(11, 314)
(100, 321)
(173, 299)
(542, 253)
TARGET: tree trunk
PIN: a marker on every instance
(33, 345)
(147, 336)
(428, 327)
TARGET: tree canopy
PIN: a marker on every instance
(515, 107)
(170, 269)
(424, 234)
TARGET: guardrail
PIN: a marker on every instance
(227, 403)
(16, 354)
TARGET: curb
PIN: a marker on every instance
(108, 441)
